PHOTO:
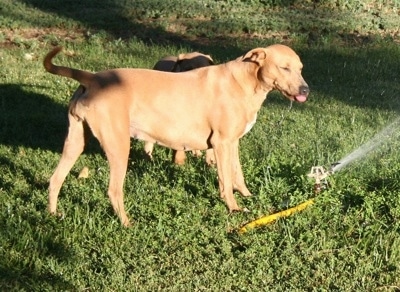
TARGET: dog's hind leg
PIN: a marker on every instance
(179, 157)
(210, 157)
(116, 144)
(73, 147)
(148, 148)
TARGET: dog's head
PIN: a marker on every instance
(279, 67)
(190, 61)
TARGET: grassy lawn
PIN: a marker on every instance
(183, 238)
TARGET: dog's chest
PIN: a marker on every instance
(249, 125)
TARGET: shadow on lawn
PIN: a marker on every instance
(31, 240)
(368, 78)
(111, 17)
(30, 119)
(18, 276)
(13, 279)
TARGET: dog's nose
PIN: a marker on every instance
(304, 90)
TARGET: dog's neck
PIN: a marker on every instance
(255, 90)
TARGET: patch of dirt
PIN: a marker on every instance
(16, 37)
(26, 36)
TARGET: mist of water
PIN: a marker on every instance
(382, 137)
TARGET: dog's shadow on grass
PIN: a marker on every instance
(33, 120)
(30, 119)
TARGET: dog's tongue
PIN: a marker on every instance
(300, 98)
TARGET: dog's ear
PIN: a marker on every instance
(257, 56)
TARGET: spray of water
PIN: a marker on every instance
(379, 139)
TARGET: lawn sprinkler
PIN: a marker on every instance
(319, 174)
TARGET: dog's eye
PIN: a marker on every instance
(285, 69)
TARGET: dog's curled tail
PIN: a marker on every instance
(83, 77)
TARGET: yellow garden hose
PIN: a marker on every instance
(271, 218)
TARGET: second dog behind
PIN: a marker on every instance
(183, 63)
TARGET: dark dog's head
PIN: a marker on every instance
(190, 61)
(279, 67)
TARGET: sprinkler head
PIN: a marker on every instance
(319, 174)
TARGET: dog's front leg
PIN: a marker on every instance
(239, 183)
(224, 155)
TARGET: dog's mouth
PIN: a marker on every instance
(300, 98)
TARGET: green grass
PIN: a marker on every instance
(183, 237)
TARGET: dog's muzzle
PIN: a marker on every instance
(303, 93)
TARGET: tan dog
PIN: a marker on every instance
(183, 63)
(211, 107)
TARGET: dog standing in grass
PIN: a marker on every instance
(183, 63)
(210, 107)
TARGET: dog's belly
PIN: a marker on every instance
(187, 139)
(185, 143)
